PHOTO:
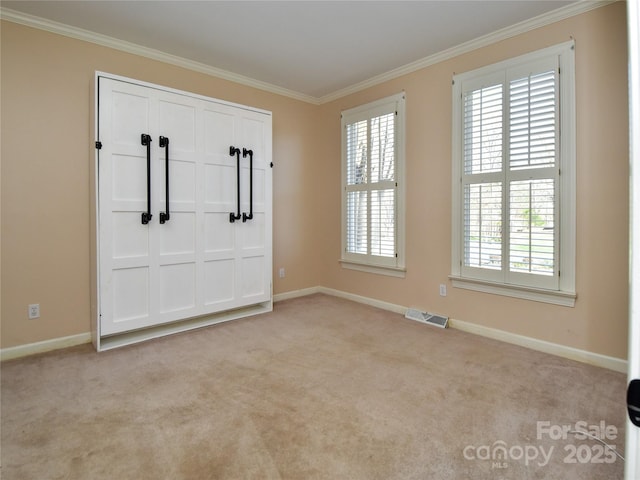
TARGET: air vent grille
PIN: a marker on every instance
(426, 317)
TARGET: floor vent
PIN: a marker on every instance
(426, 317)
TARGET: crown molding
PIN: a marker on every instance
(128, 47)
(571, 10)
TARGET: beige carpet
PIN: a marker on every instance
(320, 388)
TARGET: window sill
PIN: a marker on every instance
(565, 299)
(377, 269)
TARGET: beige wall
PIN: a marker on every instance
(46, 201)
(598, 323)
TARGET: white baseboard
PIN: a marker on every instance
(295, 294)
(584, 356)
(339, 293)
(392, 307)
(44, 346)
(19, 351)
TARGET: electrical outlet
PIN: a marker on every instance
(281, 272)
(443, 290)
(34, 311)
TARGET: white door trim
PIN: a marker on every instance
(632, 455)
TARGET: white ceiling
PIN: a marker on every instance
(313, 48)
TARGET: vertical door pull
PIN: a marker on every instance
(633, 401)
(164, 143)
(246, 152)
(146, 141)
(236, 151)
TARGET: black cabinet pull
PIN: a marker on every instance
(146, 141)
(164, 143)
(246, 152)
(236, 151)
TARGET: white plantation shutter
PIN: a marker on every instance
(532, 119)
(382, 140)
(483, 160)
(531, 221)
(357, 197)
(532, 173)
(483, 130)
(383, 223)
(357, 225)
(371, 187)
(509, 168)
(357, 153)
(483, 220)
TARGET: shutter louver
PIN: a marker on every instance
(382, 148)
(532, 135)
(357, 231)
(482, 225)
(383, 222)
(531, 220)
(357, 153)
(483, 130)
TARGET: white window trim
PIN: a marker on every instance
(565, 294)
(352, 261)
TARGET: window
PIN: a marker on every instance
(372, 178)
(514, 177)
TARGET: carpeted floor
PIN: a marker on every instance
(322, 388)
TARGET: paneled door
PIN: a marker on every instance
(167, 187)
(236, 254)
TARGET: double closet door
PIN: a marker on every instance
(184, 205)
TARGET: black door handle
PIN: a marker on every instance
(164, 143)
(236, 151)
(146, 141)
(246, 152)
(633, 401)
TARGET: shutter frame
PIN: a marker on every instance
(385, 138)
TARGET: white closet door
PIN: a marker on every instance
(254, 242)
(237, 254)
(147, 271)
(197, 262)
(177, 241)
(125, 246)
(219, 288)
